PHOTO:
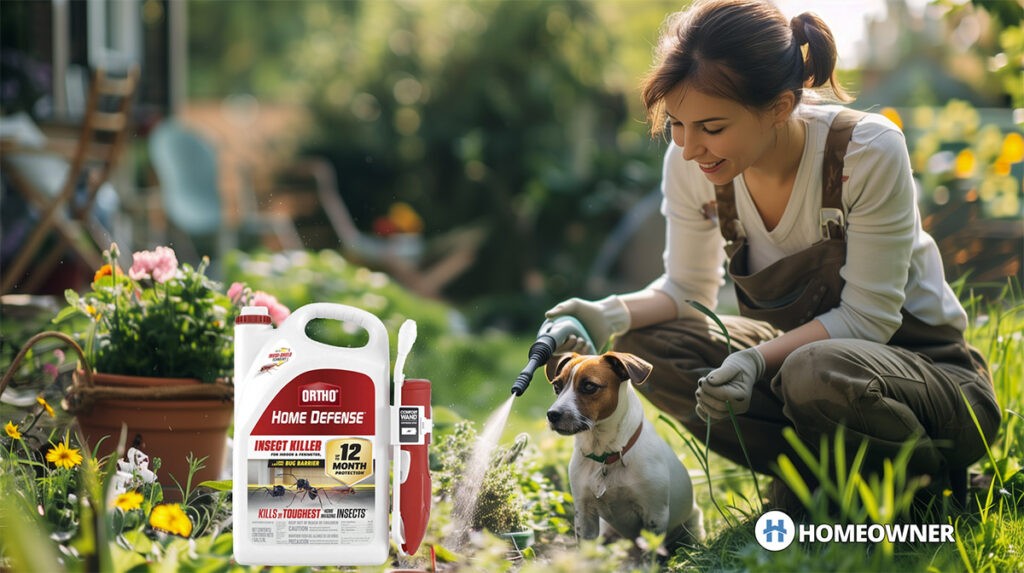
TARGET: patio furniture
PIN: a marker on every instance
(62, 188)
(424, 266)
(189, 186)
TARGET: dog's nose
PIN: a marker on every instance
(554, 416)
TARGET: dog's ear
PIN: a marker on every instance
(555, 365)
(629, 367)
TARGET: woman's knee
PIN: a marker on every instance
(811, 393)
(979, 423)
(800, 371)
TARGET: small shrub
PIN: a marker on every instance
(501, 505)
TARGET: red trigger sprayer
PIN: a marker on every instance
(553, 333)
(410, 434)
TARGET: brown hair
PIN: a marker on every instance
(743, 50)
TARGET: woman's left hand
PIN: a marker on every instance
(732, 382)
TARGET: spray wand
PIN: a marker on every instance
(553, 333)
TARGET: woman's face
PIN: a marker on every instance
(721, 135)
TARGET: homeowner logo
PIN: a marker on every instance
(775, 530)
(319, 394)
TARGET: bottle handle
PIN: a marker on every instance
(378, 333)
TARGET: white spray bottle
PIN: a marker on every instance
(311, 448)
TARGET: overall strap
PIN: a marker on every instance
(832, 213)
(725, 207)
(832, 216)
(838, 140)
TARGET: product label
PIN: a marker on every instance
(409, 424)
(274, 359)
(310, 462)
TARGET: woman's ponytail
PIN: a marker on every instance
(816, 47)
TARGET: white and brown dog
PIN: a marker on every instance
(624, 477)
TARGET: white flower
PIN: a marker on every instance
(136, 466)
(119, 482)
(132, 472)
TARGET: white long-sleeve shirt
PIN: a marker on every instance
(891, 262)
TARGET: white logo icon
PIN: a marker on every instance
(775, 531)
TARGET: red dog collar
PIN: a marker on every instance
(609, 458)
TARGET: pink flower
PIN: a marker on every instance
(278, 311)
(235, 291)
(52, 369)
(160, 265)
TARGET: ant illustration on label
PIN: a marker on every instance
(303, 489)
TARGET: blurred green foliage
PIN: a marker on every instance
(522, 116)
(508, 121)
(1005, 65)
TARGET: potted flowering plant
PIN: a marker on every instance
(159, 350)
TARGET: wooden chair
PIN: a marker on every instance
(62, 188)
(422, 266)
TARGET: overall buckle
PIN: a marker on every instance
(832, 223)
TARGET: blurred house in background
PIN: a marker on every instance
(48, 50)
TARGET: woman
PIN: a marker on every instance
(846, 316)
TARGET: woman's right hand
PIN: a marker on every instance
(602, 318)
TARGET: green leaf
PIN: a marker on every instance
(66, 313)
(218, 485)
(805, 454)
(445, 555)
(24, 541)
(868, 498)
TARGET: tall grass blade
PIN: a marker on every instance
(794, 480)
(711, 314)
(743, 446)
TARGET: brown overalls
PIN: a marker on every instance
(882, 393)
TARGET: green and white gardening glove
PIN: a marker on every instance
(602, 318)
(732, 382)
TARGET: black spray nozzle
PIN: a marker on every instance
(540, 353)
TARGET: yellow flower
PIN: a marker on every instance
(91, 310)
(965, 164)
(892, 115)
(64, 457)
(1013, 148)
(42, 402)
(128, 501)
(12, 430)
(405, 218)
(171, 518)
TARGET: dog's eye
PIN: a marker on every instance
(558, 387)
(589, 387)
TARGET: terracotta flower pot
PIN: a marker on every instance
(168, 428)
